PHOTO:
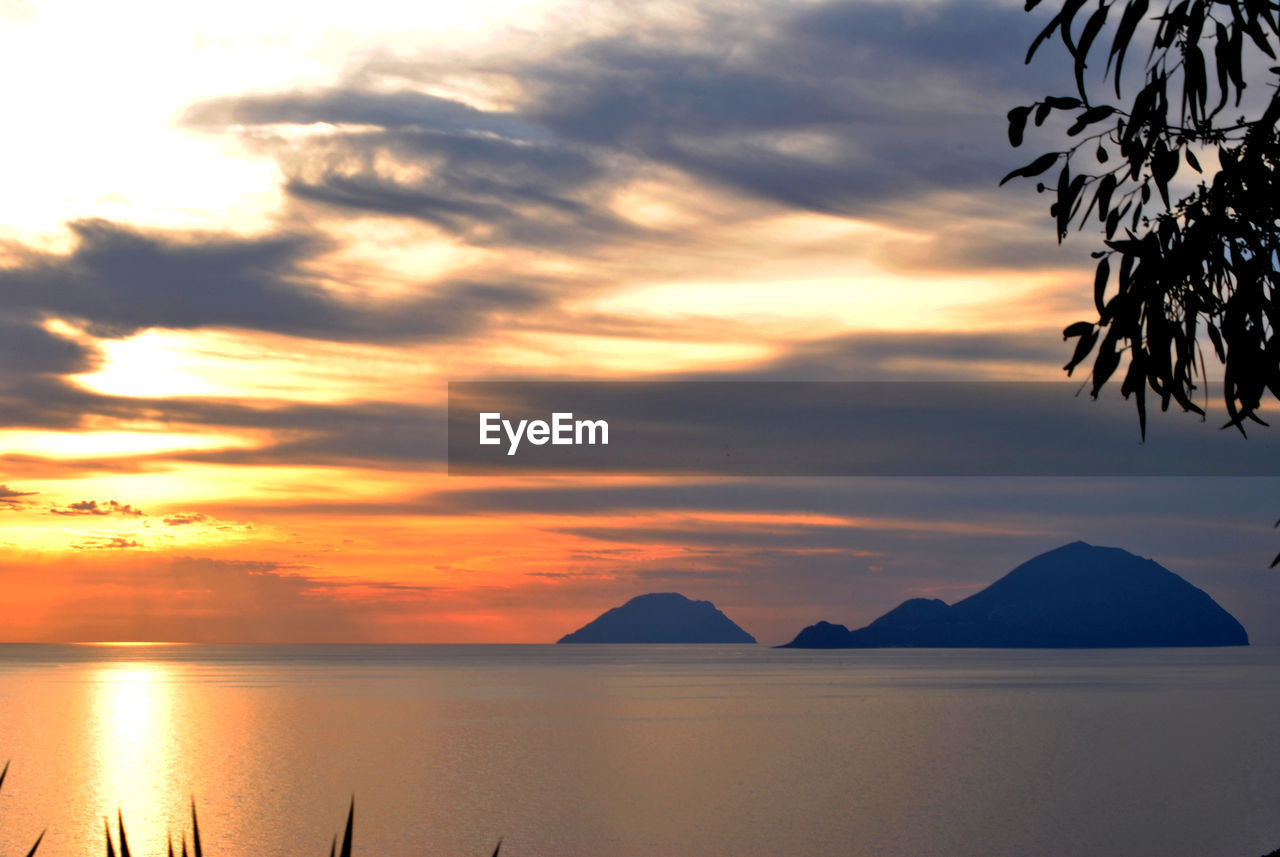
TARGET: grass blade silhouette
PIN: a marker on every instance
(346, 837)
(195, 830)
(124, 843)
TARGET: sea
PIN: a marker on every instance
(650, 751)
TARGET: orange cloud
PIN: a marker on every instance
(91, 507)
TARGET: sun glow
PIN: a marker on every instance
(92, 444)
(160, 172)
(237, 365)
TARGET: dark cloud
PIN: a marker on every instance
(486, 190)
(488, 177)
(862, 428)
(390, 110)
(912, 355)
(92, 507)
(44, 402)
(847, 108)
(32, 359)
(368, 434)
(119, 280)
(26, 348)
(11, 498)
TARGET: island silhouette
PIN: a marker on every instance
(1075, 596)
(660, 617)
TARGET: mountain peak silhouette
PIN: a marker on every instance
(1075, 596)
(661, 617)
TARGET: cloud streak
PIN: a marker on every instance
(11, 498)
(92, 507)
(107, 543)
(120, 280)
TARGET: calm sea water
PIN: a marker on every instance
(649, 750)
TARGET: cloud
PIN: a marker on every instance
(913, 355)
(372, 433)
(32, 359)
(200, 520)
(185, 518)
(91, 507)
(26, 348)
(487, 177)
(797, 540)
(10, 497)
(107, 543)
(1228, 502)
(893, 111)
(487, 191)
(119, 280)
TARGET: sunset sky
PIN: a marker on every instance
(243, 248)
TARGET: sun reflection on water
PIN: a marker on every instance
(136, 760)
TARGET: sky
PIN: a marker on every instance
(243, 249)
